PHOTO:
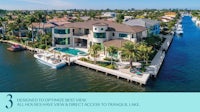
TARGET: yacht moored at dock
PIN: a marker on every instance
(50, 60)
(179, 29)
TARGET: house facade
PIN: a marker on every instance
(85, 34)
(152, 26)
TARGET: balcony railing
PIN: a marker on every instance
(80, 35)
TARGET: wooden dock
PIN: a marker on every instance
(142, 80)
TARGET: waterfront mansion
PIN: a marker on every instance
(85, 34)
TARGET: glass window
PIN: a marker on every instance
(101, 28)
(67, 31)
(60, 41)
(95, 29)
(59, 31)
(122, 35)
(68, 41)
(113, 34)
(99, 35)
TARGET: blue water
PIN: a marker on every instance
(181, 68)
(70, 51)
(20, 71)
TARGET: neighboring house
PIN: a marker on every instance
(42, 27)
(22, 33)
(85, 18)
(152, 26)
(58, 21)
(109, 14)
(85, 34)
(126, 18)
(166, 19)
(170, 14)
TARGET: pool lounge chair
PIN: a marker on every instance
(135, 71)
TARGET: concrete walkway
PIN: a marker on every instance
(142, 80)
(157, 61)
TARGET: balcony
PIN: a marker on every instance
(60, 35)
(80, 35)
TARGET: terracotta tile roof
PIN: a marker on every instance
(41, 25)
(60, 23)
(138, 28)
(112, 25)
(64, 19)
(116, 43)
(100, 24)
(170, 13)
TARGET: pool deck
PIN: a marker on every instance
(130, 77)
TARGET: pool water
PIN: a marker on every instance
(71, 51)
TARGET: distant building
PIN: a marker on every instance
(109, 14)
(85, 18)
(171, 14)
(168, 16)
(126, 18)
(152, 26)
(59, 21)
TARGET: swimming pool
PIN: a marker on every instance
(71, 51)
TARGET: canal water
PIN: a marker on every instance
(180, 71)
(181, 68)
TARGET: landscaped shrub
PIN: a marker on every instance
(84, 59)
(111, 66)
(109, 59)
(42, 46)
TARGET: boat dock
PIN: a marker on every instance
(68, 61)
(140, 79)
(156, 64)
(157, 61)
(27, 47)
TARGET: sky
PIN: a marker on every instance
(97, 4)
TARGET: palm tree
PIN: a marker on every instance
(94, 51)
(111, 50)
(129, 50)
(144, 51)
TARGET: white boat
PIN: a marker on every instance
(194, 19)
(179, 26)
(180, 21)
(50, 60)
(198, 22)
(179, 31)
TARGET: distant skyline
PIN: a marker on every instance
(97, 4)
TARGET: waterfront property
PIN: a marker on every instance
(168, 16)
(153, 26)
(85, 34)
(171, 14)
